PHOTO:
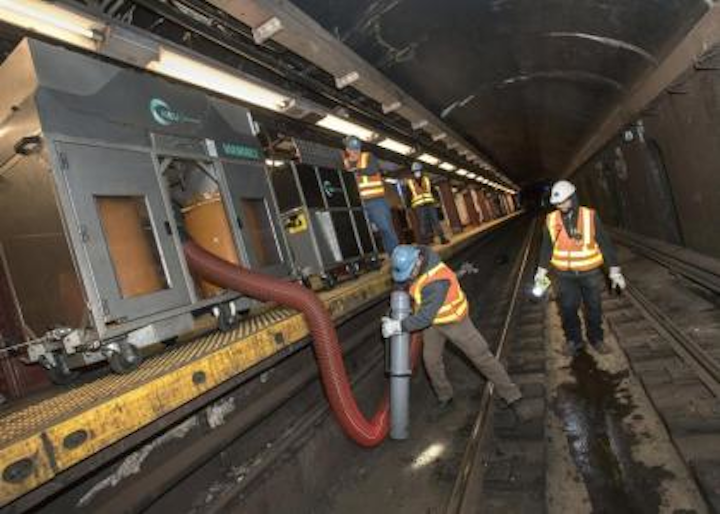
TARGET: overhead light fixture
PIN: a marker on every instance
(471, 176)
(417, 125)
(266, 30)
(447, 166)
(273, 163)
(396, 146)
(53, 21)
(429, 159)
(347, 79)
(192, 71)
(391, 107)
(440, 136)
(462, 172)
(332, 122)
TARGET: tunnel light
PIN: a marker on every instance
(471, 176)
(396, 146)
(447, 166)
(273, 163)
(348, 128)
(462, 172)
(192, 71)
(429, 159)
(53, 21)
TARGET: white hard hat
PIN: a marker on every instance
(561, 191)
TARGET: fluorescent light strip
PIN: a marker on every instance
(348, 128)
(396, 146)
(53, 21)
(187, 69)
(462, 172)
(471, 176)
(429, 159)
(447, 166)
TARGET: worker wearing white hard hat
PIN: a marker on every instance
(576, 247)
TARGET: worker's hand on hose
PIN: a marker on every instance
(617, 280)
(391, 327)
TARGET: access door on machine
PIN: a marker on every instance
(128, 252)
(257, 216)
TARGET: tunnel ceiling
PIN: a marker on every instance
(527, 81)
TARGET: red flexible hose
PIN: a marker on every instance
(327, 349)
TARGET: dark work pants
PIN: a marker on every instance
(429, 223)
(574, 290)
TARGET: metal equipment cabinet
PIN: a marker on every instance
(100, 164)
(321, 210)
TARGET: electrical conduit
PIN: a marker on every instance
(367, 433)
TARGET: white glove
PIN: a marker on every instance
(540, 275)
(617, 280)
(391, 327)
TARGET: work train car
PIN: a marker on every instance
(97, 195)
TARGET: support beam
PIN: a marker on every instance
(701, 38)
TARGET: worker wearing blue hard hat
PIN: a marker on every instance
(441, 311)
(368, 173)
(423, 203)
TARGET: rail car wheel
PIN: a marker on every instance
(126, 359)
(227, 318)
(58, 371)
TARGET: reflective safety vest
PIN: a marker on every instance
(581, 253)
(370, 186)
(420, 194)
(455, 307)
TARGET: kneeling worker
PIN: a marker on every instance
(576, 245)
(441, 310)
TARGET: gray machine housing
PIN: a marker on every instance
(77, 130)
(327, 230)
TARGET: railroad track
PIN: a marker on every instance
(468, 484)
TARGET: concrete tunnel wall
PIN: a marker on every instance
(661, 177)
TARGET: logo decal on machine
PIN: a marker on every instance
(163, 114)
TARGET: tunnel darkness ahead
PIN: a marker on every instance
(525, 80)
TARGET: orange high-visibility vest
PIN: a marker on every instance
(455, 307)
(420, 194)
(582, 254)
(369, 186)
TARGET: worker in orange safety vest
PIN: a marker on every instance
(423, 203)
(576, 246)
(441, 311)
(368, 175)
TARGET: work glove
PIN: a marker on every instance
(542, 283)
(617, 280)
(391, 327)
(540, 275)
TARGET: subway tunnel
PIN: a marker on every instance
(157, 156)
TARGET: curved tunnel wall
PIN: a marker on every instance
(661, 177)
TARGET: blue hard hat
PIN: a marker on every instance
(416, 166)
(353, 143)
(404, 258)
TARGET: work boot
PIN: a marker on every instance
(602, 348)
(522, 410)
(445, 404)
(574, 349)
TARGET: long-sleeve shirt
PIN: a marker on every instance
(570, 221)
(374, 166)
(432, 295)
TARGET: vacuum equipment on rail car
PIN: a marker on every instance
(322, 212)
(99, 165)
